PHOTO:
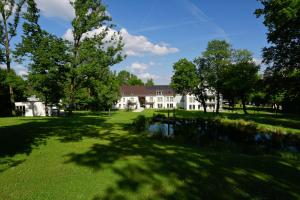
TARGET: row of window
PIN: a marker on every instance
(193, 99)
(193, 107)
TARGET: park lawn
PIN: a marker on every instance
(264, 119)
(95, 156)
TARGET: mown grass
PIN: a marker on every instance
(95, 156)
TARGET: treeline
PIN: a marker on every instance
(234, 74)
(226, 71)
(76, 72)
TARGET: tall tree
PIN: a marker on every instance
(126, 78)
(282, 19)
(149, 82)
(91, 51)
(10, 16)
(216, 57)
(240, 77)
(47, 57)
(186, 80)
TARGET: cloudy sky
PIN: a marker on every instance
(158, 33)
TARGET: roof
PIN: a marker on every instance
(127, 90)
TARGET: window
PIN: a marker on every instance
(190, 107)
(159, 99)
(151, 105)
(132, 99)
(171, 105)
(158, 93)
(159, 105)
(151, 99)
(123, 99)
(119, 105)
(192, 99)
(194, 107)
(199, 107)
(167, 99)
(171, 99)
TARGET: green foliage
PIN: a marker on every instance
(140, 123)
(20, 88)
(47, 56)
(282, 19)
(126, 78)
(185, 78)
(92, 55)
(149, 82)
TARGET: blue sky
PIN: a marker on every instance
(157, 33)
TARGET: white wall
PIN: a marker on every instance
(33, 108)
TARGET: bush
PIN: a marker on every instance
(140, 123)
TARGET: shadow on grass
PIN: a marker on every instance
(166, 170)
(23, 138)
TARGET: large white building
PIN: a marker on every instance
(161, 97)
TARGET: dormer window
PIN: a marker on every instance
(159, 93)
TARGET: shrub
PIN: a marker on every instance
(140, 123)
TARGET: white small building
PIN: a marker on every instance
(32, 107)
(161, 97)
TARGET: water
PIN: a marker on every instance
(205, 133)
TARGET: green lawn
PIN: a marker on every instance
(92, 156)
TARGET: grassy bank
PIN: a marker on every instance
(95, 156)
(263, 119)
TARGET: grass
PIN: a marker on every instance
(94, 156)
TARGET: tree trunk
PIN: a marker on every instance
(204, 104)
(244, 106)
(46, 107)
(72, 96)
(218, 102)
(8, 62)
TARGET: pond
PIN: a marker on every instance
(208, 133)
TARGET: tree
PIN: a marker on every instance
(91, 52)
(126, 78)
(282, 19)
(216, 57)
(48, 58)
(10, 16)
(241, 76)
(186, 80)
(149, 82)
(20, 90)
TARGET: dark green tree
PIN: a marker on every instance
(91, 53)
(186, 80)
(149, 82)
(126, 78)
(47, 57)
(216, 57)
(10, 11)
(240, 77)
(282, 19)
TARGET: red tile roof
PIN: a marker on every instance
(127, 90)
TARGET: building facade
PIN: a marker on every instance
(161, 97)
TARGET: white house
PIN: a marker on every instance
(32, 107)
(161, 97)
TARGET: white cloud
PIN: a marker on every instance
(146, 76)
(135, 45)
(138, 67)
(138, 45)
(56, 8)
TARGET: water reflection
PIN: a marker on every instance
(205, 132)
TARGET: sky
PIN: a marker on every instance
(157, 33)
